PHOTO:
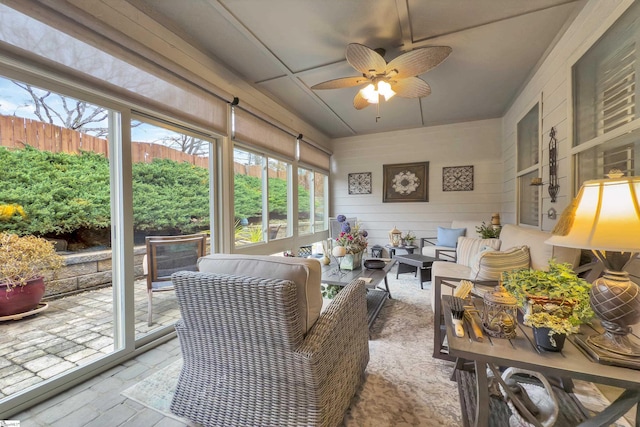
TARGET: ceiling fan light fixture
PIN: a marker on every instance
(384, 89)
(370, 94)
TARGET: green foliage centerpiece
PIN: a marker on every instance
(556, 299)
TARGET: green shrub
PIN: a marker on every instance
(62, 193)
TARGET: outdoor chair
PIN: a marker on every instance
(258, 351)
(166, 255)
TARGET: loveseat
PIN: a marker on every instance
(257, 350)
(482, 260)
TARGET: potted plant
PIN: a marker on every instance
(489, 231)
(409, 238)
(556, 300)
(23, 262)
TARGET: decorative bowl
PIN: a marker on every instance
(374, 264)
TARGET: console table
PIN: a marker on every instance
(520, 352)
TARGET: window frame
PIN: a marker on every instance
(536, 167)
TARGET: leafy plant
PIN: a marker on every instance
(330, 291)
(25, 258)
(556, 324)
(560, 284)
(488, 232)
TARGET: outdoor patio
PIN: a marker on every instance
(73, 331)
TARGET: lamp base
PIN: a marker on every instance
(621, 345)
(602, 356)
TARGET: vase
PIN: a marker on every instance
(21, 299)
(351, 261)
(555, 342)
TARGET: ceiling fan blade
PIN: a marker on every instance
(366, 60)
(411, 87)
(341, 82)
(360, 102)
(418, 61)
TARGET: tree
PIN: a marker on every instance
(70, 113)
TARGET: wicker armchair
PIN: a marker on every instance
(248, 362)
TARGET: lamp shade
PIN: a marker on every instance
(604, 216)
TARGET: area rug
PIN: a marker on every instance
(404, 385)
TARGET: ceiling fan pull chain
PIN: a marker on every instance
(378, 109)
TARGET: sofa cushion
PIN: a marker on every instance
(304, 272)
(447, 269)
(468, 247)
(449, 236)
(539, 251)
(491, 264)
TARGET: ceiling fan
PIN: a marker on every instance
(397, 77)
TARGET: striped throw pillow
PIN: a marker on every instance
(492, 264)
(468, 247)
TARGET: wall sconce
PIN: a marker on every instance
(553, 167)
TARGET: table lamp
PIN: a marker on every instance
(605, 217)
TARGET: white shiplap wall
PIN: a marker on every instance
(551, 84)
(475, 143)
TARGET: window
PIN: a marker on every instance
(606, 127)
(604, 82)
(528, 167)
(247, 196)
(320, 182)
(166, 163)
(305, 186)
(278, 198)
(55, 155)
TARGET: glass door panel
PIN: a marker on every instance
(170, 199)
(56, 184)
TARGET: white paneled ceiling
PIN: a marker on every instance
(283, 47)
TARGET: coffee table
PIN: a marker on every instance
(376, 295)
(416, 262)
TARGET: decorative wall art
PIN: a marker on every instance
(360, 183)
(457, 178)
(406, 182)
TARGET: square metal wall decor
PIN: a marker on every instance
(406, 182)
(457, 178)
(360, 183)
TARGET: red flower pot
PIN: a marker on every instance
(21, 299)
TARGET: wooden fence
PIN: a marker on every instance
(16, 132)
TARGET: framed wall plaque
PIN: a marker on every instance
(457, 178)
(360, 183)
(405, 182)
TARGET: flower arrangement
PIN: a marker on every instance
(353, 239)
(409, 238)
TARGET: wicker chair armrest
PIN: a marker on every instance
(427, 240)
(344, 319)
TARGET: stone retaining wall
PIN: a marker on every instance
(87, 270)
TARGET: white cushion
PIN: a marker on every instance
(468, 247)
(306, 273)
(540, 252)
(491, 264)
(447, 269)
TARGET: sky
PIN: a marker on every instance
(14, 100)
